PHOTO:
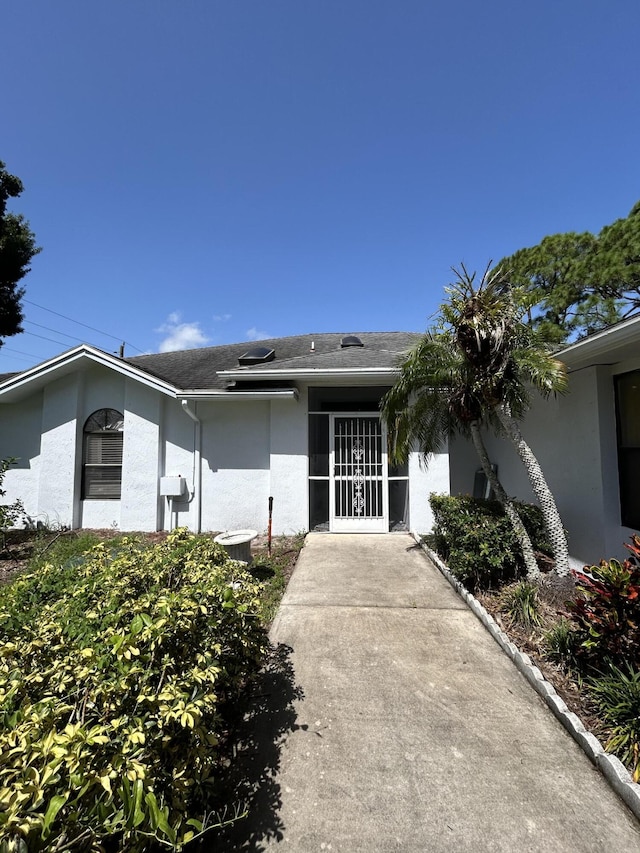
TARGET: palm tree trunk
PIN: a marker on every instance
(541, 490)
(531, 564)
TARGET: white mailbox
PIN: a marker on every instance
(172, 487)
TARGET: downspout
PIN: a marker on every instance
(197, 464)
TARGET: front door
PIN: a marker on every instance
(358, 475)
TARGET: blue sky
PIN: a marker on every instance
(200, 172)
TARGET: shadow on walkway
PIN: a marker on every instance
(262, 722)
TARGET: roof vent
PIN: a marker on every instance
(351, 341)
(257, 355)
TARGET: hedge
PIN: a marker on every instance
(113, 671)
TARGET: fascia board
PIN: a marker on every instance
(314, 374)
(288, 394)
(63, 364)
(602, 345)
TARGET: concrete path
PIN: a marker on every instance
(415, 732)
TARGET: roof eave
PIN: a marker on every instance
(38, 376)
(315, 374)
(606, 346)
(255, 394)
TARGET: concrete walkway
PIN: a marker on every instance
(415, 732)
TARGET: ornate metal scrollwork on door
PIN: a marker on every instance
(358, 477)
(357, 468)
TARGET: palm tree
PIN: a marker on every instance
(433, 400)
(488, 361)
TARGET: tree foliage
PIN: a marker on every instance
(579, 283)
(10, 513)
(477, 368)
(17, 248)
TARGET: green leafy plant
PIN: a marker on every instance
(114, 670)
(274, 572)
(560, 640)
(607, 611)
(477, 540)
(617, 694)
(9, 513)
(521, 604)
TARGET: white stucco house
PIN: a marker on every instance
(204, 437)
(588, 443)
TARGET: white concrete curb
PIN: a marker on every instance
(613, 770)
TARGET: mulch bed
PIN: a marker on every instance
(554, 592)
(19, 547)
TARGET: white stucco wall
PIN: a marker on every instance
(574, 438)
(20, 439)
(288, 463)
(140, 458)
(59, 474)
(425, 478)
(235, 464)
(177, 459)
(101, 389)
(98, 515)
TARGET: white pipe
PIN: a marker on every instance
(197, 463)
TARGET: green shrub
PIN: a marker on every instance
(617, 694)
(113, 672)
(521, 604)
(607, 611)
(9, 513)
(477, 541)
(560, 641)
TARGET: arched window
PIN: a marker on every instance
(102, 455)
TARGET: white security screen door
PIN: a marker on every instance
(358, 474)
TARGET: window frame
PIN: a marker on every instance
(106, 424)
(628, 456)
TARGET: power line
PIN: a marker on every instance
(49, 329)
(44, 338)
(19, 351)
(59, 343)
(30, 360)
(93, 329)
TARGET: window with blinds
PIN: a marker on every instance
(102, 459)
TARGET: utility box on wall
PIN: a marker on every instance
(172, 487)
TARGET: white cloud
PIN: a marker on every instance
(255, 334)
(179, 335)
(222, 318)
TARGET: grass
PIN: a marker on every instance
(274, 572)
(66, 547)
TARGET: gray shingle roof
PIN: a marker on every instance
(199, 368)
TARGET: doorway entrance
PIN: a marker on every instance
(358, 474)
(352, 487)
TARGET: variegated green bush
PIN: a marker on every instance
(112, 675)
